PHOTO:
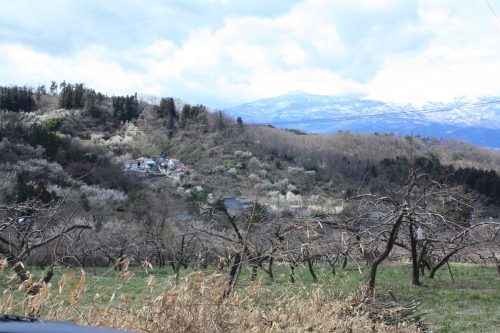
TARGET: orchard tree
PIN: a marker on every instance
(28, 225)
(419, 206)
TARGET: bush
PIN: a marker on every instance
(254, 164)
(53, 124)
(232, 172)
(295, 170)
(253, 178)
(196, 195)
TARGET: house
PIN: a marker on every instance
(160, 160)
(146, 163)
(150, 164)
(130, 165)
(157, 167)
(174, 163)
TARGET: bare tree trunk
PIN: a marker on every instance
(179, 260)
(333, 263)
(344, 262)
(372, 274)
(269, 269)
(415, 275)
(449, 270)
(311, 268)
(439, 264)
(253, 277)
(292, 273)
(271, 274)
(232, 275)
(421, 258)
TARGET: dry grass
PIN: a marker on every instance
(195, 305)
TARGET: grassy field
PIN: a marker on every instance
(468, 303)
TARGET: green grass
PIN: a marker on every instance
(470, 303)
(228, 161)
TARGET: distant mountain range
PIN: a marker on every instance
(474, 120)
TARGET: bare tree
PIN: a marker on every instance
(120, 241)
(443, 248)
(418, 203)
(30, 225)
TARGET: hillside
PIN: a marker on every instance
(473, 120)
(89, 180)
(124, 128)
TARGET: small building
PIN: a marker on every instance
(174, 163)
(146, 163)
(145, 167)
(130, 164)
(159, 160)
(150, 164)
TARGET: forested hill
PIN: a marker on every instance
(87, 135)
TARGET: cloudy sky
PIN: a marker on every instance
(226, 52)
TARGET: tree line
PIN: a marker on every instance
(483, 182)
(17, 99)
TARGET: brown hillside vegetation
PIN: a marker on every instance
(345, 152)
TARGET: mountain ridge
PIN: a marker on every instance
(475, 120)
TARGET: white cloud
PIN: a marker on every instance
(25, 66)
(462, 58)
(393, 50)
(378, 4)
(420, 79)
(293, 54)
(160, 48)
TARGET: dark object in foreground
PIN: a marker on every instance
(19, 324)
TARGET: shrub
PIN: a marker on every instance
(254, 164)
(246, 155)
(219, 169)
(195, 194)
(232, 172)
(295, 170)
(253, 178)
(53, 124)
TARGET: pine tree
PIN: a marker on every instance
(53, 88)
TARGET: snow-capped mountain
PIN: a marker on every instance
(473, 120)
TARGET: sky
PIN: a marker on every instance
(226, 52)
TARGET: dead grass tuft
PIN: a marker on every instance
(195, 305)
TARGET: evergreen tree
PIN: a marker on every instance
(125, 108)
(221, 125)
(53, 88)
(77, 95)
(185, 115)
(90, 103)
(66, 96)
(17, 99)
(72, 96)
(40, 91)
